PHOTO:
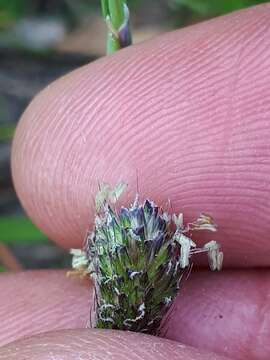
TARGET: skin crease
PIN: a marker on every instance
(187, 114)
(89, 345)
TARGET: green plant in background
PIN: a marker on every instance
(10, 10)
(116, 15)
(6, 131)
(16, 230)
(73, 12)
(207, 8)
(19, 229)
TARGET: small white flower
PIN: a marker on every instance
(116, 192)
(102, 195)
(165, 216)
(215, 256)
(167, 300)
(106, 193)
(204, 222)
(186, 245)
(79, 259)
(178, 220)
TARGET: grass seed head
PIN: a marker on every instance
(137, 256)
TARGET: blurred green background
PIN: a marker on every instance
(41, 40)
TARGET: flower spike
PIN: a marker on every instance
(136, 257)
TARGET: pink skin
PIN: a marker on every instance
(40, 301)
(105, 345)
(227, 312)
(188, 115)
(218, 312)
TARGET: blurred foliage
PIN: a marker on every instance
(207, 8)
(6, 131)
(10, 10)
(19, 229)
(73, 12)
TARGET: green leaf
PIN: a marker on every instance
(19, 229)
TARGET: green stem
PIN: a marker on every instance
(116, 8)
(114, 12)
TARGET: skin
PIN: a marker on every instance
(186, 116)
(105, 345)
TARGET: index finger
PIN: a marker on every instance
(186, 113)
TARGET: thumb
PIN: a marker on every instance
(100, 344)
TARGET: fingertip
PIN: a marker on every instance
(186, 113)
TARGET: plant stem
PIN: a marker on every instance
(115, 13)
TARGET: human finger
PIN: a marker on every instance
(100, 344)
(226, 313)
(185, 116)
(39, 301)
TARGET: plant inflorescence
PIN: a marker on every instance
(137, 256)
